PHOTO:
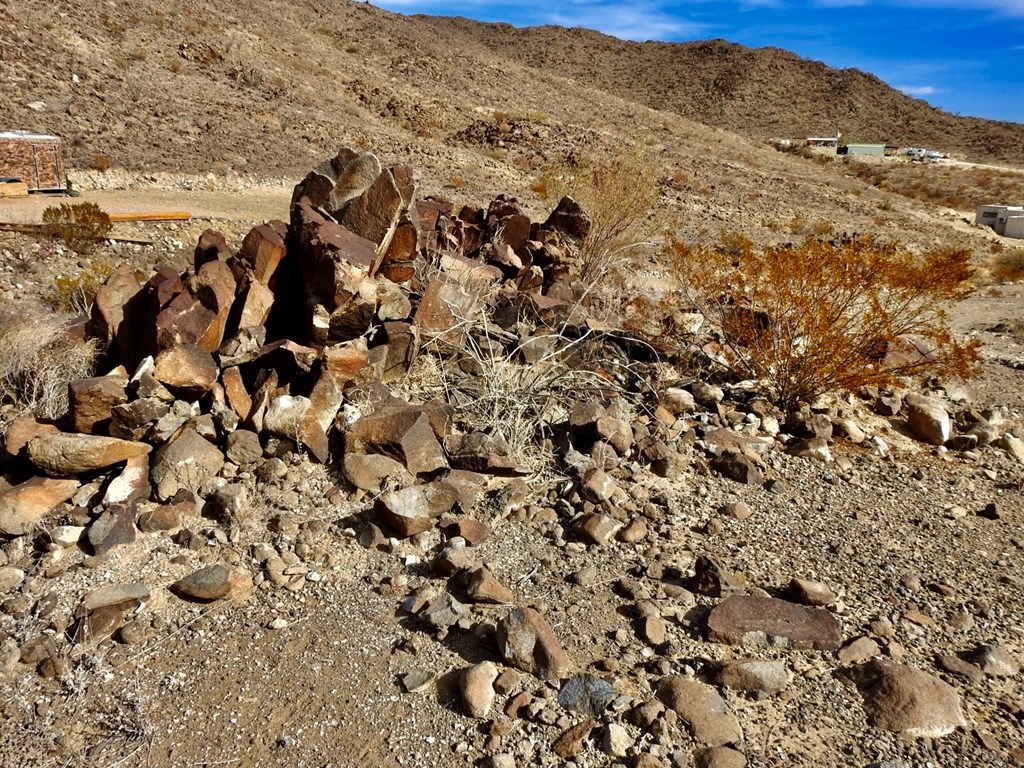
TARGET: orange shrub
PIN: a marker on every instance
(816, 317)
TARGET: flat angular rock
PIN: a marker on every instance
(702, 708)
(908, 701)
(295, 419)
(370, 472)
(184, 464)
(480, 452)
(26, 504)
(92, 400)
(21, 431)
(483, 587)
(527, 642)
(186, 370)
(65, 454)
(211, 583)
(262, 251)
(404, 434)
(745, 620)
(753, 675)
(928, 420)
(737, 467)
(444, 612)
(114, 528)
(859, 650)
(714, 579)
(995, 661)
(412, 510)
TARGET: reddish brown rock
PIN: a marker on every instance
(745, 620)
(214, 286)
(908, 701)
(253, 304)
(26, 504)
(483, 587)
(405, 434)
(527, 642)
(346, 360)
(91, 402)
(412, 510)
(371, 471)
(114, 528)
(738, 467)
(211, 246)
(296, 419)
(212, 583)
(702, 708)
(572, 740)
(108, 308)
(235, 393)
(186, 370)
(65, 454)
(375, 213)
(442, 311)
(21, 431)
(262, 251)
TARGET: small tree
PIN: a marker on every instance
(79, 226)
(817, 317)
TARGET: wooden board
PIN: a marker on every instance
(165, 216)
(14, 189)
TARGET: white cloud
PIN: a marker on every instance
(918, 90)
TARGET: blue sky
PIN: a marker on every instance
(966, 58)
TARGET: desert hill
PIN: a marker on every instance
(201, 86)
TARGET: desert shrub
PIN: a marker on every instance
(618, 194)
(811, 318)
(100, 162)
(75, 294)
(1007, 265)
(39, 358)
(457, 182)
(78, 226)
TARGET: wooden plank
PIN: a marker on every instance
(165, 216)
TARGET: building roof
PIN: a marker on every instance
(27, 135)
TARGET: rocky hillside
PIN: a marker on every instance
(201, 86)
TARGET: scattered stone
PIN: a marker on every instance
(570, 742)
(527, 642)
(754, 675)
(212, 583)
(477, 687)
(745, 620)
(720, 757)
(587, 695)
(444, 612)
(187, 370)
(483, 587)
(712, 579)
(185, 463)
(616, 740)
(702, 709)
(811, 593)
(928, 419)
(65, 454)
(957, 666)
(114, 528)
(26, 504)
(92, 400)
(417, 680)
(412, 510)
(598, 530)
(908, 701)
(995, 661)
(859, 650)
(10, 578)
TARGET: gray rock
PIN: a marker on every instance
(586, 694)
(444, 612)
(243, 447)
(995, 661)
(113, 528)
(184, 464)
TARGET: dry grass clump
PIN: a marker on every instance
(75, 294)
(617, 194)
(39, 358)
(817, 317)
(1007, 266)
